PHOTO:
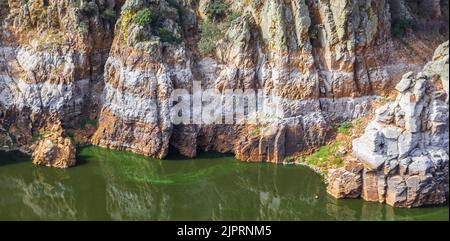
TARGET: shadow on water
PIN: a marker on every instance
(16, 157)
(81, 160)
(175, 155)
(13, 157)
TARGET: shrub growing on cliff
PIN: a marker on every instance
(89, 122)
(89, 8)
(143, 17)
(401, 26)
(83, 27)
(173, 3)
(210, 34)
(216, 9)
(313, 32)
(167, 36)
(38, 136)
(109, 15)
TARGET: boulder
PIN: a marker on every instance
(406, 143)
(54, 149)
(344, 184)
(406, 82)
(396, 192)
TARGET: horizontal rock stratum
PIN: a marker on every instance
(107, 70)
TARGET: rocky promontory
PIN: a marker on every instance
(404, 150)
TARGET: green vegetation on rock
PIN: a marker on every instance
(89, 8)
(329, 155)
(86, 8)
(211, 32)
(400, 27)
(143, 17)
(83, 27)
(108, 15)
(326, 155)
(166, 35)
(90, 122)
(345, 128)
(38, 136)
(216, 9)
(313, 32)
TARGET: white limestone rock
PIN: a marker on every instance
(409, 137)
(406, 82)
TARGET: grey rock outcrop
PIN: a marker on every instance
(346, 182)
(405, 147)
(6, 142)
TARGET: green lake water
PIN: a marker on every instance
(113, 185)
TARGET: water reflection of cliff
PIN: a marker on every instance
(121, 186)
(226, 190)
(36, 198)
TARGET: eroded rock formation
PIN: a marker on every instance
(52, 55)
(405, 147)
(54, 148)
(324, 61)
(6, 142)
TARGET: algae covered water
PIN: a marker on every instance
(113, 185)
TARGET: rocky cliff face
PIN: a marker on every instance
(52, 55)
(116, 63)
(323, 61)
(404, 149)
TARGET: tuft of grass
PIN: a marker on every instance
(325, 157)
(231, 17)
(90, 122)
(143, 17)
(216, 9)
(166, 35)
(255, 132)
(345, 128)
(38, 136)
